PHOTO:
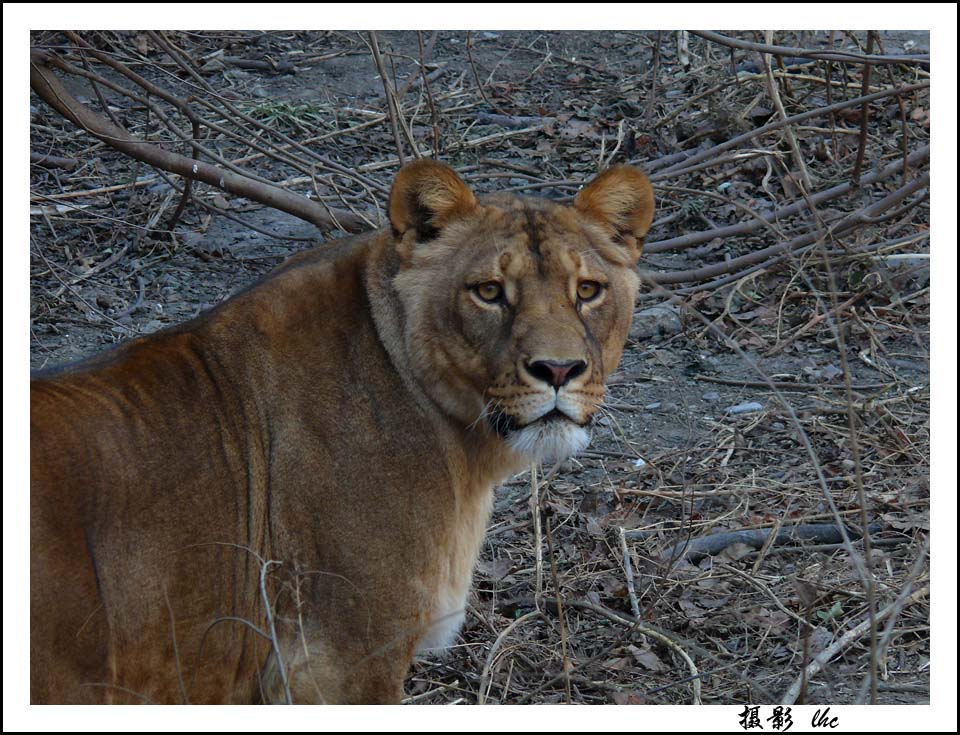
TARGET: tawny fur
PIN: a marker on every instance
(344, 421)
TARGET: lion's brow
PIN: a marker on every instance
(534, 238)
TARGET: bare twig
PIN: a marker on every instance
(864, 114)
(275, 642)
(794, 119)
(476, 76)
(431, 103)
(921, 60)
(537, 535)
(654, 78)
(46, 160)
(188, 182)
(852, 635)
(839, 308)
(856, 560)
(566, 665)
(767, 257)
(184, 64)
(870, 685)
(635, 625)
(52, 91)
(393, 108)
(628, 572)
(774, 93)
(917, 158)
(484, 689)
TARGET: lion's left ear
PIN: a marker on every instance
(620, 198)
(427, 196)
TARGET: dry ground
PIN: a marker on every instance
(694, 442)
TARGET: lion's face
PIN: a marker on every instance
(517, 309)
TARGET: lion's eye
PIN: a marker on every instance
(588, 290)
(491, 291)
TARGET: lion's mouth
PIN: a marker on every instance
(554, 415)
(505, 424)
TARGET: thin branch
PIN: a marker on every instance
(393, 106)
(325, 162)
(770, 127)
(915, 159)
(776, 253)
(852, 635)
(864, 118)
(51, 90)
(774, 92)
(921, 60)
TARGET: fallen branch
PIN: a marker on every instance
(47, 161)
(512, 121)
(49, 88)
(916, 158)
(268, 64)
(775, 254)
(676, 168)
(854, 634)
(921, 60)
(694, 550)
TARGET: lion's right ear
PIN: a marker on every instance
(621, 199)
(427, 196)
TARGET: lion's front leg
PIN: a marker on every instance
(316, 669)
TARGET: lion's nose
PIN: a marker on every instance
(557, 374)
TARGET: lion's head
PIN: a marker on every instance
(516, 309)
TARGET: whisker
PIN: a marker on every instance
(484, 412)
(491, 408)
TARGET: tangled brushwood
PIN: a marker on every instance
(750, 522)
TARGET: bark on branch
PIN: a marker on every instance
(921, 60)
(677, 168)
(682, 242)
(776, 253)
(49, 88)
(695, 549)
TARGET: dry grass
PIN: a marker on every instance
(829, 336)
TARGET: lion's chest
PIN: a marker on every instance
(449, 582)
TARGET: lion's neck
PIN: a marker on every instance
(381, 266)
(490, 460)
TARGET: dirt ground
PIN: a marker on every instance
(694, 441)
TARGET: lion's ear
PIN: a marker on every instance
(427, 196)
(620, 198)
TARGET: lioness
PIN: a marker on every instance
(284, 499)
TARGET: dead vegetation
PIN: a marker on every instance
(751, 521)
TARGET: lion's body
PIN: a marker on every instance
(299, 423)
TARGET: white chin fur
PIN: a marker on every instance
(552, 441)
